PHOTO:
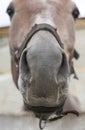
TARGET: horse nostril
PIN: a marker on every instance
(64, 69)
(24, 69)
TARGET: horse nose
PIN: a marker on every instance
(43, 68)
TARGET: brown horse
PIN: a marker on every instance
(42, 42)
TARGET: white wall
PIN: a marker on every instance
(4, 19)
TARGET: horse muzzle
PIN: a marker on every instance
(43, 69)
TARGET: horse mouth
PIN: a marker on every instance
(38, 110)
(44, 113)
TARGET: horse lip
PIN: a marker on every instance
(40, 109)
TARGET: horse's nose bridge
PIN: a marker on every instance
(46, 18)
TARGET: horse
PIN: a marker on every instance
(42, 48)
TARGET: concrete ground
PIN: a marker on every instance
(24, 123)
(12, 116)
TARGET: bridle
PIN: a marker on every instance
(36, 28)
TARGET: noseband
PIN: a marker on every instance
(36, 28)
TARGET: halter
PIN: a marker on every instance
(36, 28)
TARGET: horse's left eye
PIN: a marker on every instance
(75, 13)
(10, 11)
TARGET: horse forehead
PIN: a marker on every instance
(34, 1)
(39, 5)
(40, 2)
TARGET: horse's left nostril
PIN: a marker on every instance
(64, 69)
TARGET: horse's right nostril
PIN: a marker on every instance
(24, 69)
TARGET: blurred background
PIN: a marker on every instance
(10, 98)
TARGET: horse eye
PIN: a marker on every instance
(75, 13)
(10, 11)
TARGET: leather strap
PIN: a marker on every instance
(37, 27)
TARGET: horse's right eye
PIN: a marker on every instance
(10, 11)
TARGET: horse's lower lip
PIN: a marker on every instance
(40, 109)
